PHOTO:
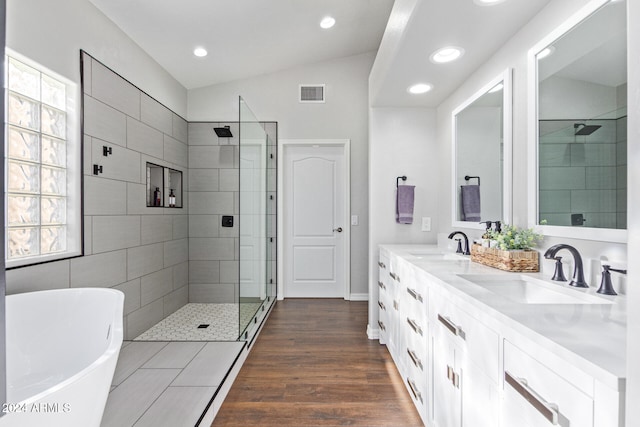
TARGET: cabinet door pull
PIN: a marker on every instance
(381, 305)
(449, 373)
(414, 294)
(416, 328)
(381, 285)
(453, 328)
(414, 389)
(394, 276)
(396, 305)
(381, 264)
(548, 410)
(381, 325)
(415, 359)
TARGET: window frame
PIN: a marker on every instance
(74, 211)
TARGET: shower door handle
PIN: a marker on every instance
(339, 229)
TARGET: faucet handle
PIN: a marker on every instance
(606, 287)
(558, 274)
(459, 249)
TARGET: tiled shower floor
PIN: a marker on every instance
(186, 323)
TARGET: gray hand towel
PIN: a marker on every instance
(404, 204)
(470, 202)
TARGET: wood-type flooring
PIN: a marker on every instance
(312, 365)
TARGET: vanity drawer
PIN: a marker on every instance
(534, 395)
(480, 342)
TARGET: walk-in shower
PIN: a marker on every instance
(583, 168)
(232, 234)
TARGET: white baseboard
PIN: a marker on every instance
(373, 334)
(359, 297)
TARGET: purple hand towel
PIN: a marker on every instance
(470, 202)
(404, 204)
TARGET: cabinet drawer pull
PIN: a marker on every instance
(453, 328)
(453, 377)
(381, 285)
(394, 276)
(414, 389)
(548, 410)
(381, 325)
(381, 305)
(416, 328)
(381, 264)
(415, 359)
(414, 294)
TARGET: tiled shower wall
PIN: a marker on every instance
(583, 174)
(214, 192)
(139, 250)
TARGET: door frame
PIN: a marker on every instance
(346, 150)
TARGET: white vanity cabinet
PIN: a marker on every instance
(414, 325)
(384, 298)
(542, 393)
(465, 367)
(403, 324)
(468, 361)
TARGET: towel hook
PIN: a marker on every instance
(403, 177)
(467, 178)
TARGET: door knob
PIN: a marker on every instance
(339, 229)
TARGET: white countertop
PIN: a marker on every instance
(592, 337)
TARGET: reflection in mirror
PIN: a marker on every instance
(582, 123)
(481, 155)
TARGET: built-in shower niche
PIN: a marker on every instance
(164, 187)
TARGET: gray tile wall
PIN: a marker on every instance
(213, 186)
(583, 174)
(213, 192)
(139, 250)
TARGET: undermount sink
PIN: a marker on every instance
(437, 256)
(528, 290)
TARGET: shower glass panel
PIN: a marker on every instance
(256, 202)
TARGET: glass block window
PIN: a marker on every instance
(43, 165)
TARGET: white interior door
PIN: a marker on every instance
(315, 223)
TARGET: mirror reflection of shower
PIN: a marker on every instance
(582, 129)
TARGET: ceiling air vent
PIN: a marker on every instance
(312, 93)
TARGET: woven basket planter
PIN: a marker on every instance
(514, 260)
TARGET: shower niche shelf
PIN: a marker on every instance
(164, 187)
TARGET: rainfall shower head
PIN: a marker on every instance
(582, 129)
(223, 132)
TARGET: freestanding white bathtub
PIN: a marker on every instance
(62, 349)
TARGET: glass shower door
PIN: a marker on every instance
(253, 216)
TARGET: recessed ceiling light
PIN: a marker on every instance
(487, 2)
(496, 88)
(446, 54)
(200, 52)
(420, 88)
(546, 52)
(327, 22)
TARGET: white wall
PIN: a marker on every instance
(633, 176)
(53, 32)
(402, 141)
(343, 116)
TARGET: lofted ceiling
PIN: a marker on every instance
(253, 37)
(246, 38)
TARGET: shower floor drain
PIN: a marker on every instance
(203, 326)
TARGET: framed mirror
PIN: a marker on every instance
(578, 126)
(482, 155)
